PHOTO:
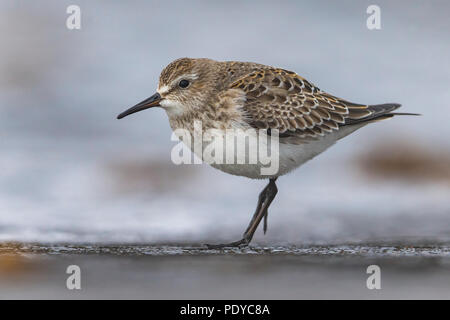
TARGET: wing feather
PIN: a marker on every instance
(281, 99)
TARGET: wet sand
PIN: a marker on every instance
(192, 272)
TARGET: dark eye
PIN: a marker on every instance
(183, 83)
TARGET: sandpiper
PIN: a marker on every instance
(245, 95)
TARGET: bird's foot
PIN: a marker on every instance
(241, 243)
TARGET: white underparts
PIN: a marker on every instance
(271, 160)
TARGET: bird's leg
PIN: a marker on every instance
(265, 222)
(270, 192)
(261, 198)
(265, 199)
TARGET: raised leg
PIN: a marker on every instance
(265, 199)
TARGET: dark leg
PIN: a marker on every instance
(265, 222)
(265, 199)
(262, 197)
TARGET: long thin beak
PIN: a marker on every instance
(153, 101)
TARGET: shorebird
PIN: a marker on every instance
(245, 95)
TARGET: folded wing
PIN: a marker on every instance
(281, 99)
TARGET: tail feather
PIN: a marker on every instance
(405, 114)
(379, 112)
(383, 108)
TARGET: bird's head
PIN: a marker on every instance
(185, 85)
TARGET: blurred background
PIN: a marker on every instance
(70, 172)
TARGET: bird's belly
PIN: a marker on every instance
(271, 159)
(246, 154)
(292, 155)
(285, 159)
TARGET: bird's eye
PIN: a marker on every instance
(183, 84)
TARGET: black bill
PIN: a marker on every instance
(153, 101)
